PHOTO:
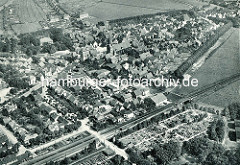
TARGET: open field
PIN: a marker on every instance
(73, 6)
(159, 4)
(28, 11)
(104, 11)
(26, 16)
(114, 9)
(27, 27)
(223, 63)
(224, 96)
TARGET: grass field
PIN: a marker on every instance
(27, 27)
(28, 13)
(159, 4)
(74, 6)
(114, 9)
(225, 96)
(222, 64)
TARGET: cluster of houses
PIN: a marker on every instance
(55, 121)
(141, 53)
(140, 50)
(145, 51)
(20, 132)
(109, 103)
(5, 146)
(159, 46)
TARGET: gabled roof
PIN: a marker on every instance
(143, 56)
(138, 92)
(121, 46)
(54, 115)
(159, 98)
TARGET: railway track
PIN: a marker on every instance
(77, 146)
(110, 132)
(204, 91)
(61, 152)
(87, 157)
(199, 93)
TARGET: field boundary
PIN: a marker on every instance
(169, 11)
(182, 69)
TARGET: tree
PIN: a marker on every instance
(60, 46)
(15, 148)
(35, 60)
(144, 162)
(220, 156)
(117, 159)
(5, 112)
(6, 46)
(37, 130)
(13, 45)
(13, 91)
(196, 106)
(66, 161)
(49, 48)
(199, 147)
(234, 110)
(216, 130)
(167, 152)
(28, 40)
(56, 34)
(149, 103)
(237, 154)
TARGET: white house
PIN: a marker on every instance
(83, 15)
(46, 40)
(159, 99)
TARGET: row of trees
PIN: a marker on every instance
(232, 111)
(163, 154)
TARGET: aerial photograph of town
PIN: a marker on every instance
(119, 82)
